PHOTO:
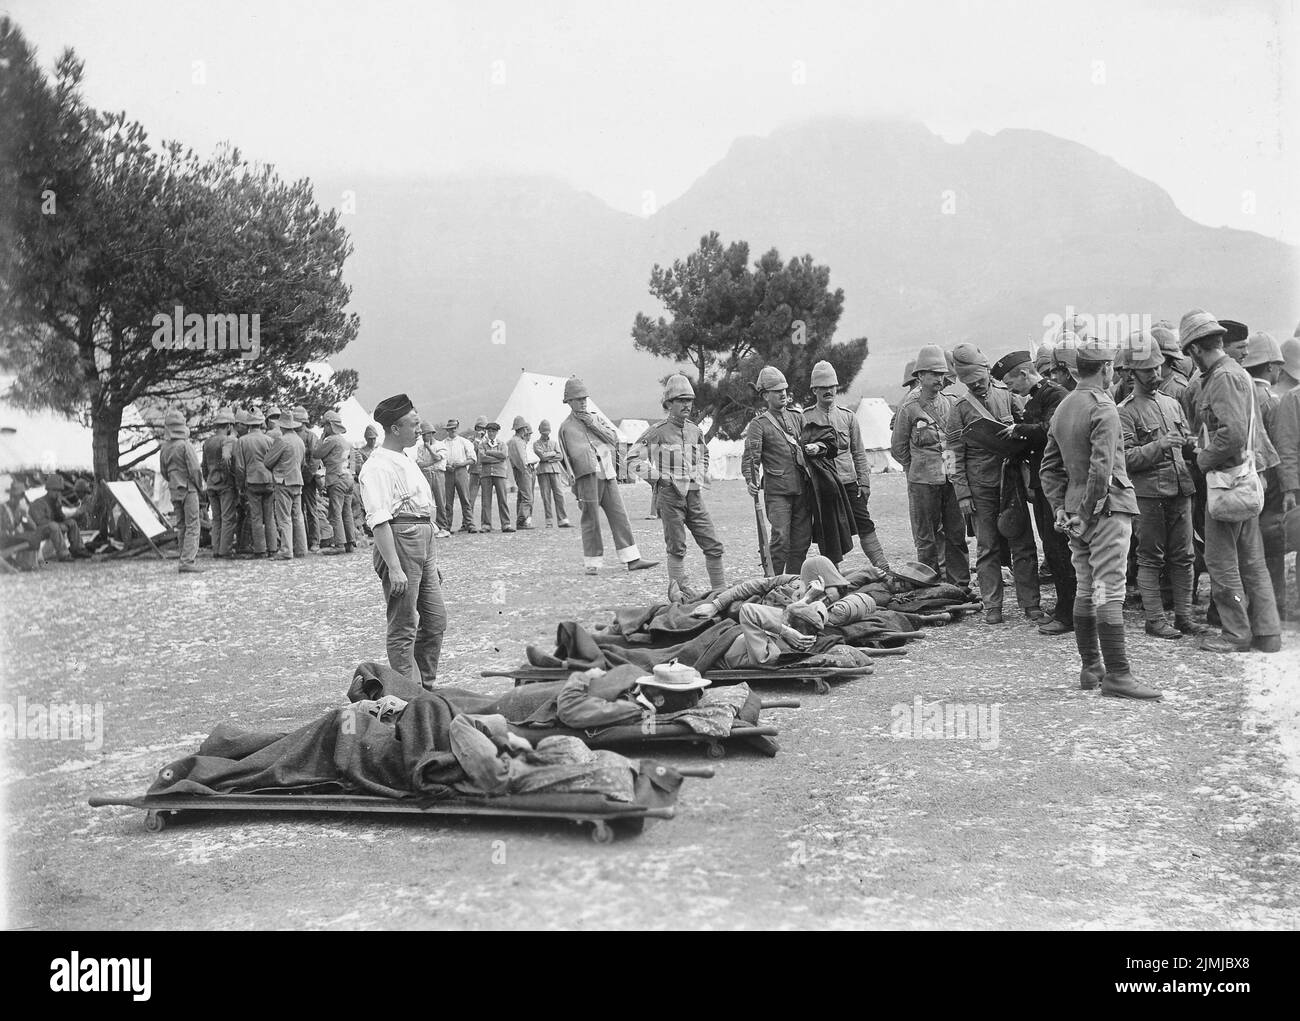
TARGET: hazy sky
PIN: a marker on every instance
(622, 99)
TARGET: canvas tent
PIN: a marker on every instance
(724, 458)
(538, 397)
(45, 441)
(874, 417)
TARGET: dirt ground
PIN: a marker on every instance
(1066, 810)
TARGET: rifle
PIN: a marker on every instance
(764, 550)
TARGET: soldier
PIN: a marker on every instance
(550, 470)
(313, 479)
(254, 479)
(219, 478)
(674, 459)
(1289, 378)
(285, 461)
(1155, 437)
(1286, 428)
(431, 457)
(494, 462)
(1264, 362)
(400, 511)
(977, 474)
(335, 456)
(1085, 479)
(1178, 369)
(48, 510)
(476, 466)
(180, 467)
(1123, 385)
(1042, 399)
(589, 445)
(523, 468)
(272, 422)
(1234, 553)
(359, 456)
(17, 526)
(920, 428)
(772, 445)
(461, 457)
(851, 464)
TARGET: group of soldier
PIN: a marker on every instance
(274, 486)
(1111, 449)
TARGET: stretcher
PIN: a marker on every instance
(818, 676)
(608, 818)
(757, 736)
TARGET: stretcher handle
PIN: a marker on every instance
(781, 703)
(900, 651)
(703, 772)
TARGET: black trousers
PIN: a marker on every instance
(1056, 550)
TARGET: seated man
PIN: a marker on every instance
(17, 527)
(768, 632)
(48, 510)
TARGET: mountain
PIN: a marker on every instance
(933, 242)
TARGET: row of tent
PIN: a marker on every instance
(536, 397)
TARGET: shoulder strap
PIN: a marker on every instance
(784, 432)
(983, 412)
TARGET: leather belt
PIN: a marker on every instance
(410, 519)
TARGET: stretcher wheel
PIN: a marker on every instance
(715, 750)
(601, 833)
(821, 687)
(155, 822)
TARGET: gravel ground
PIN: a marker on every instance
(1063, 810)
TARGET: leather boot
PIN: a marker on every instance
(1188, 626)
(1127, 686)
(1163, 629)
(1267, 643)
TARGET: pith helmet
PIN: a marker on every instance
(823, 374)
(288, 420)
(1264, 350)
(519, 423)
(174, 426)
(1291, 357)
(333, 418)
(1145, 352)
(771, 378)
(574, 388)
(223, 417)
(678, 386)
(1065, 352)
(480, 422)
(272, 412)
(300, 413)
(909, 373)
(1043, 359)
(930, 359)
(1096, 349)
(1197, 324)
(426, 427)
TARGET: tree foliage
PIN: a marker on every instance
(728, 319)
(103, 232)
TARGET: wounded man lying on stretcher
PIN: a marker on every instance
(782, 615)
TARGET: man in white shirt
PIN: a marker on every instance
(460, 455)
(399, 512)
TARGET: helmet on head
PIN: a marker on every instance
(771, 378)
(574, 388)
(676, 387)
(823, 374)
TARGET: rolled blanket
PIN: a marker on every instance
(855, 607)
